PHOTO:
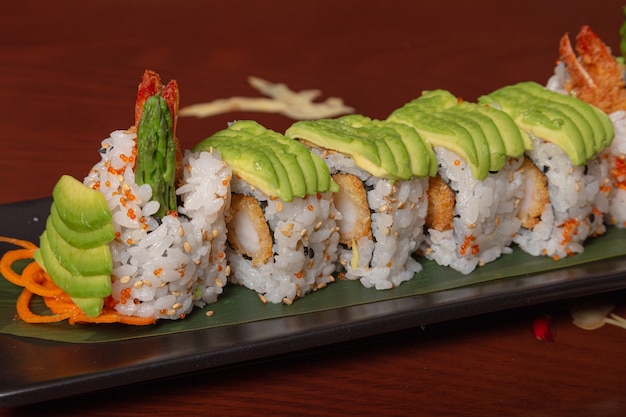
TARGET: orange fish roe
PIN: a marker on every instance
(125, 295)
(310, 207)
(131, 214)
(570, 229)
(466, 244)
(96, 185)
(158, 271)
(457, 162)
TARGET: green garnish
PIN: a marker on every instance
(156, 154)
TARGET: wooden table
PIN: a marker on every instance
(68, 77)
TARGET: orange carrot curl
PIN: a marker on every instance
(36, 282)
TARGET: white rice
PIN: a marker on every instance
(398, 211)
(305, 240)
(164, 268)
(578, 202)
(485, 214)
(616, 159)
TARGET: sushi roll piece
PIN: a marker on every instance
(566, 197)
(592, 74)
(382, 170)
(473, 200)
(167, 210)
(282, 231)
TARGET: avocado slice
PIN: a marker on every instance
(72, 284)
(383, 149)
(269, 161)
(590, 120)
(542, 119)
(493, 159)
(91, 306)
(92, 261)
(512, 137)
(81, 265)
(590, 128)
(428, 115)
(81, 240)
(81, 208)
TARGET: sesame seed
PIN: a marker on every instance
(181, 231)
(138, 284)
(125, 279)
(262, 298)
(287, 301)
(146, 283)
(177, 306)
(209, 313)
(187, 246)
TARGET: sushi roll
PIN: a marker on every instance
(566, 197)
(282, 231)
(592, 74)
(382, 170)
(167, 211)
(472, 201)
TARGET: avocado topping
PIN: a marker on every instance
(484, 137)
(384, 149)
(156, 153)
(74, 248)
(578, 128)
(276, 165)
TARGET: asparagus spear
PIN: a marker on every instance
(156, 154)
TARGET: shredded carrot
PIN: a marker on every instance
(37, 282)
(8, 259)
(18, 242)
(26, 314)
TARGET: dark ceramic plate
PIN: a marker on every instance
(36, 367)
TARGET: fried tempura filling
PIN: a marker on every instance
(535, 195)
(440, 215)
(248, 231)
(351, 202)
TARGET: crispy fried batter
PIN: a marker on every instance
(536, 195)
(246, 214)
(351, 201)
(595, 75)
(440, 215)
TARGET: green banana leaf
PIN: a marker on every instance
(239, 305)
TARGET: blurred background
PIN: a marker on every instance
(73, 79)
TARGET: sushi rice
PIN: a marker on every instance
(164, 267)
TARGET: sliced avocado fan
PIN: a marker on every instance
(384, 149)
(578, 128)
(276, 165)
(482, 136)
(74, 249)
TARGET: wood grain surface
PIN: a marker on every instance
(68, 77)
